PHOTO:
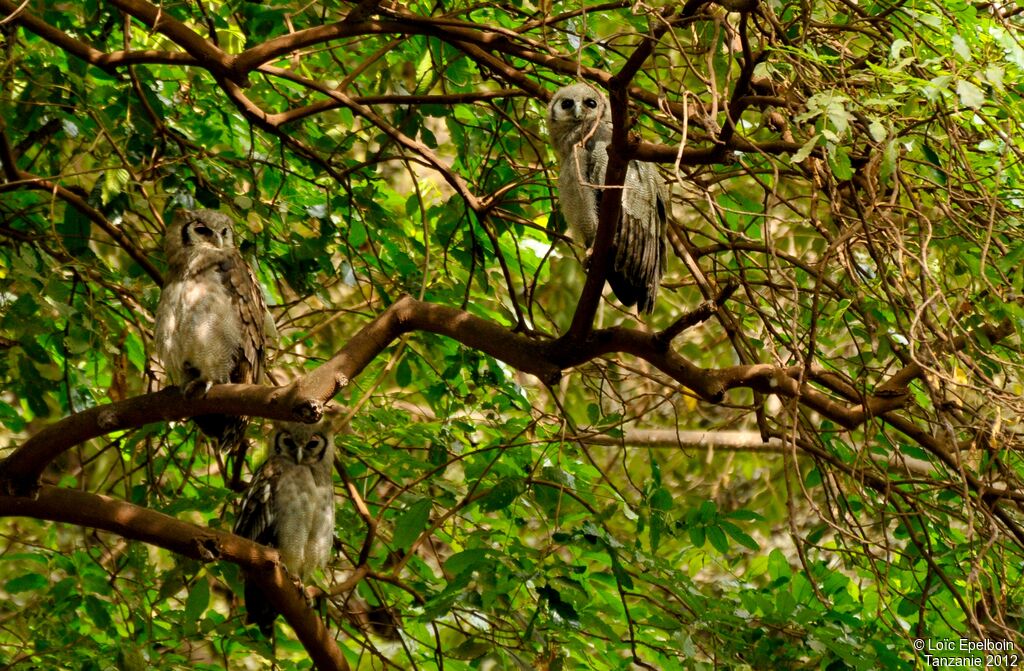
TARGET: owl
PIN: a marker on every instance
(212, 322)
(579, 122)
(289, 505)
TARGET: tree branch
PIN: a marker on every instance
(304, 399)
(133, 522)
(17, 178)
(156, 18)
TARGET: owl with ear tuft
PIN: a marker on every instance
(289, 505)
(580, 126)
(212, 322)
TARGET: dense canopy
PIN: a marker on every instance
(808, 456)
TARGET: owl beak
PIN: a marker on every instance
(298, 454)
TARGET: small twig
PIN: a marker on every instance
(700, 314)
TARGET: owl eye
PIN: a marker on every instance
(567, 104)
(316, 446)
(591, 103)
(204, 231)
(284, 443)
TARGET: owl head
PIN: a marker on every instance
(578, 113)
(576, 104)
(192, 230)
(304, 444)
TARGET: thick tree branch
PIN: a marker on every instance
(156, 18)
(49, 33)
(133, 522)
(394, 99)
(20, 471)
(476, 43)
(304, 399)
(689, 440)
(109, 62)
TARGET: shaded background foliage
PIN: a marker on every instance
(854, 168)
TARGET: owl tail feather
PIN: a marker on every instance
(630, 293)
(227, 430)
(258, 610)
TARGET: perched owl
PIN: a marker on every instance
(579, 121)
(289, 505)
(212, 322)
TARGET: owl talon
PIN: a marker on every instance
(312, 594)
(196, 389)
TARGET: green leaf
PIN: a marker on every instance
(778, 566)
(806, 149)
(739, 535)
(98, 611)
(878, 131)
(466, 560)
(114, 182)
(502, 494)
(718, 539)
(661, 499)
(198, 600)
(839, 161)
(744, 515)
(437, 453)
(970, 95)
(961, 48)
(411, 523)
(75, 231)
(134, 349)
(403, 373)
(25, 583)
(471, 648)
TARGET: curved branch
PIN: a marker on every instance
(475, 43)
(19, 472)
(156, 18)
(17, 13)
(304, 399)
(261, 564)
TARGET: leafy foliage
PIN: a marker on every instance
(853, 167)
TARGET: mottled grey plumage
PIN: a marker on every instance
(289, 505)
(579, 122)
(212, 322)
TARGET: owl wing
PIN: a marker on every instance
(228, 268)
(639, 243)
(247, 299)
(640, 238)
(256, 518)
